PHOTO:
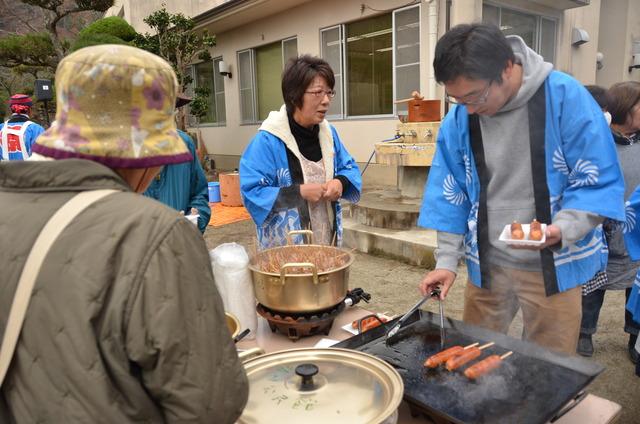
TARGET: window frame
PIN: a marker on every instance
(191, 92)
(344, 109)
(539, 16)
(253, 78)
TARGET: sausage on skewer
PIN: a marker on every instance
(443, 356)
(535, 231)
(463, 358)
(483, 367)
(516, 231)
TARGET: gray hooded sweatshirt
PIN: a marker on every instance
(510, 194)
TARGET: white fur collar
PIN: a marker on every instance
(277, 123)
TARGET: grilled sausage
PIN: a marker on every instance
(535, 231)
(459, 360)
(442, 357)
(368, 323)
(481, 368)
(516, 231)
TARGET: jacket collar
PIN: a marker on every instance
(277, 123)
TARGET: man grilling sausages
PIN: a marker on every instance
(521, 141)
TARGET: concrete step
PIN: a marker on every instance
(386, 208)
(414, 246)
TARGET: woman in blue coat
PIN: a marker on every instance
(296, 169)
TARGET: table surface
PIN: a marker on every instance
(592, 409)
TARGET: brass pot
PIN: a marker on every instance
(232, 324)
(301, 293)
(314, 386)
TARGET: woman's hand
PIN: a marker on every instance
(333, 190)
(312, 192)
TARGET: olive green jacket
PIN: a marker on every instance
(125, 324)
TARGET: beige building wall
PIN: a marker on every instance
(620, 23)
(304, 22)
(303, 19)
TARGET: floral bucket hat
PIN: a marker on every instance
(115, 106)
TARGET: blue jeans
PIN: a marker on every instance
(591, 305)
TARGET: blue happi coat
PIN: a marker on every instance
(631, 230)
(264, 170)
(582, 173)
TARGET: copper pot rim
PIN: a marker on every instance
(349, 262)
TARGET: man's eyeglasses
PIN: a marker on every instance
(471, 100)
(321, 93)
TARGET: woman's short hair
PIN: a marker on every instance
(298, 75)
(475, 51)
(600, 95)
(623, 96)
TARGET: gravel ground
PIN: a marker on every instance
(393, 287)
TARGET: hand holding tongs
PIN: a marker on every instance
(434, 293)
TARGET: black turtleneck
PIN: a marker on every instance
(309, 145)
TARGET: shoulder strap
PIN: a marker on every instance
(52, 229)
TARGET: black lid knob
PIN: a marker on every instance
(307, 371)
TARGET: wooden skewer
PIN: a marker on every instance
(404, 100)
(471, 345)
(507, 354)
(486, 345)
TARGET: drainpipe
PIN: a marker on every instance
(447, 27)
(433, 38)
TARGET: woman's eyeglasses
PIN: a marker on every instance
(471, 100)
(318, 94)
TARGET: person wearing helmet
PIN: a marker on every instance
(18, 133)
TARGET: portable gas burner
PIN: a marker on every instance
(296, 325)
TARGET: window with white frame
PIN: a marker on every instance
(260, 71)
(538, 32)
(375, 60)
(207, 75)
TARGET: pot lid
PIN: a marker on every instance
(321, 386)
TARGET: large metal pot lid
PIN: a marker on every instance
(321, 386)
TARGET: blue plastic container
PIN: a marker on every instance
(214, 192)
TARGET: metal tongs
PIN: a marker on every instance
(434, 293)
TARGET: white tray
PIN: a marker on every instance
(505, 236)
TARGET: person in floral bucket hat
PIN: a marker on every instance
(124, 322)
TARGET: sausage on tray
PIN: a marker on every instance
(535, 231)
(516, 231)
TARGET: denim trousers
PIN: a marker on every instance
(591, 305)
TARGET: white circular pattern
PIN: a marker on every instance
(467, 169)
(284, 177)
(585, 173)
(630, 219)
(452, 192)
(559, 162)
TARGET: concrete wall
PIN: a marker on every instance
(358, 135)
(620, 25)
(621, 21)
(136, 10)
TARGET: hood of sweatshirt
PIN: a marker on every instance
(534, 71)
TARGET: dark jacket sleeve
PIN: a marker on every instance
(199, 191)
(176, 334)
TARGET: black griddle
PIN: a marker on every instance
(531, 386)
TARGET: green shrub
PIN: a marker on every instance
(113, 25)
(94, 40)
